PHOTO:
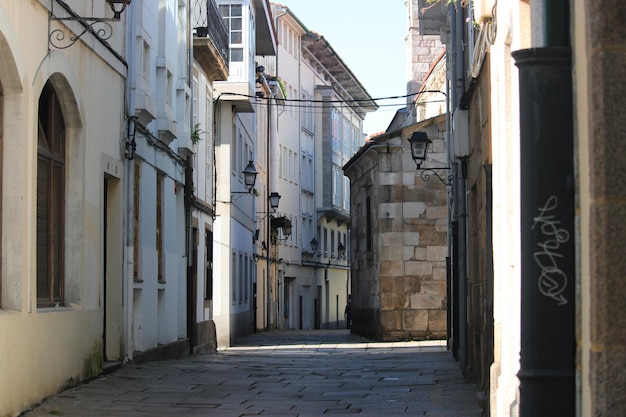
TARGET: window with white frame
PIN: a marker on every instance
(346, 136)
(306, 112)
(283, 162)
(168, 88)
(307, 173)
(338, 184)
(335, 130)
(346, 193)
(306, 232)
(292, 165)
(356, 143)
(195, 100)
(208, 134)
(146, 67)
(282, 28)
(233, 20)
(294, 230)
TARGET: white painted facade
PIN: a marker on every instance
(490, 54)
(504, 125)
(155, 232)
(236, 138)
(202, 215)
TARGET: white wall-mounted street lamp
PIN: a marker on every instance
(249, 176)
(274, 198)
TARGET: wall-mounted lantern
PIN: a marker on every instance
(419, 147)
(419, 143)
(274, 198)
(341, 250)
(249, 179)
(118, 7)
(283, 223)
(314, 245)
(249, 176)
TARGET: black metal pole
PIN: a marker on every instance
(548, 345)
(556, 23)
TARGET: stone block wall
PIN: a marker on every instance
(399, 286)
(413, 267)
(422, 50)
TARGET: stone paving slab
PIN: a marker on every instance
(286, 373)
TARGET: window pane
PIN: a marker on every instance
(235, 10)
(236, 37)
(56, 225)
(236, 55)
(57, 132)
(43, 187)
(235, 24)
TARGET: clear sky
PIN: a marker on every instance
(369, 37)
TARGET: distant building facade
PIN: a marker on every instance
(320, 127)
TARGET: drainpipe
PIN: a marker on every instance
(129, 178)
(548, 342)
(458, 305)
(268, 235)
(188, 200)
(452, 248)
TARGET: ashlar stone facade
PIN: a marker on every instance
(399, 225)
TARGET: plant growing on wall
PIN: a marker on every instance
(195, 135)
(282, 87)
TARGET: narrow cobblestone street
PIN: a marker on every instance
(295, 374)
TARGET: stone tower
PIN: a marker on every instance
(423, 44)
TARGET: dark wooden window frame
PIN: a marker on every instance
(368, 224)
(136, 221)
(160, 184)
(50, 200)
(208, 262)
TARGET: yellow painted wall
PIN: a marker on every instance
(45, 350)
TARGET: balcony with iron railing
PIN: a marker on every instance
(210, 40)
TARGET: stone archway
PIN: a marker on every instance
(12, 133)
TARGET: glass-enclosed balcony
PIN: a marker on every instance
(210, 39)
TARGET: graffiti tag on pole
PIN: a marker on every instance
(552, 280)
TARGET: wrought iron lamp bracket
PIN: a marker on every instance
(426, 174)
(98, 26)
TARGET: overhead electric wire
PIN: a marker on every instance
(335, 101)
(345, 105)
